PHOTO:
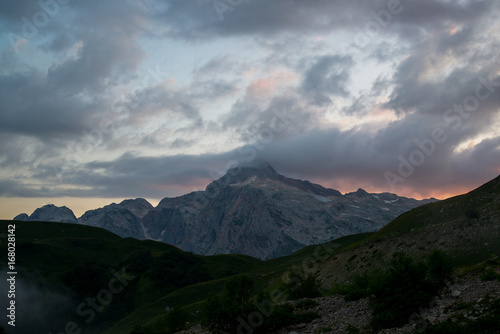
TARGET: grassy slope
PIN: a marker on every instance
(473, 205)
(56, 251)
(466, 227)
(268, 275)
(59, 253)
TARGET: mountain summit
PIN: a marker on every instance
(49, 213)
(251, 210)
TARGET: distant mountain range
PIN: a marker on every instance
(251, 210)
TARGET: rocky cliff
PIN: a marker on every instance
(258, 212)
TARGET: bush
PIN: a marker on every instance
(406, 287)
(176, 320)
(358, 287)
(301, 284)
(439, 268)
(490, 275)
(305, 304)
(351, 329)
(232, 310)
(221, 313)
(472, 213)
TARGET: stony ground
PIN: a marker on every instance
(463, 299)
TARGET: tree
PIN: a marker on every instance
(221, 313)
(405, 287)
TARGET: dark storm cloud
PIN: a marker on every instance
(99, 63)
(154, 100)
(15, 10)
(50, 103)
(450, 49)
(200, 19)
(429, 12)
(153, 177)
(284, 116)
(29, 107)
(328, 76)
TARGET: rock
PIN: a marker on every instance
(116, 219)
(22, 217)
(52, 213)
(255, 211)
(456, 293)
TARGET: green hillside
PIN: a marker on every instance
(83, 259)
(465, 227)
(482, 203)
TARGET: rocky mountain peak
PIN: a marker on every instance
(52, 213)
(22, 217)
(139, 206)
(361, 193)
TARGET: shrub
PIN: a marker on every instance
(472, 213)
(490, 275)
(221, 312)
(358, 287)
(439, 268)
(351, 329)
(302, 284)
(305, 304)
(176, 320)
(226, 313)
(404, 288)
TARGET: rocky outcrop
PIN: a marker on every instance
(52, 213)
(256, 211)
(123, 219)
(251, 210)
(22, 217)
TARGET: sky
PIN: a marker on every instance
(107, 100)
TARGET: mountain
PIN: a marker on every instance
(123, 219)
(256, 211)
(49, 213)
(252, 210)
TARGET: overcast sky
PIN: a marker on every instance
(106, 100)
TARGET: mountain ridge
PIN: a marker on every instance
(251, 210)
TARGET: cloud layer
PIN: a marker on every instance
(157, 98)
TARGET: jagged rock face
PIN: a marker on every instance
(257, 212)
(139, 206)
(251, 210)
(22, 217)
(52, 213)
(123, 219)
